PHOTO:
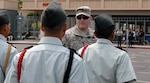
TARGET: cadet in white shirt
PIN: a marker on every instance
(4, 32)
(48, 61)
(104, 62)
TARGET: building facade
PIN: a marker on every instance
(9, 4)
(128, 15)
(11, 7)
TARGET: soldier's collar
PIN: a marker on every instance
(50, 40)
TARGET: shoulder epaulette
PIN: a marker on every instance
(121, 48)
(74, 51)
(28, 47)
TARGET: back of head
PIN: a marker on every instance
(53, 16)
(3, 19)
(104, 25)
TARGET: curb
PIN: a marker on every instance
(24, 42)
(35, 42)
(135, 47)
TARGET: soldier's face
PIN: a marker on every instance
(83, 21)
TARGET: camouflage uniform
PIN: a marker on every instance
(74, 39)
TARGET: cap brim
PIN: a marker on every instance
(82, 13)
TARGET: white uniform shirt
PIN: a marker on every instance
(47, 63)
(4, 48)
(107, 64)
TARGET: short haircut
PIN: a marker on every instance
(3, 19)
(105, 33)
(53, 16)
(104, 25)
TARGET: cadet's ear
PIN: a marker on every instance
(112, 36)
(65, 27)
(42, 28)
(5, 27)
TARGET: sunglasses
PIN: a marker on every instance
(82, 17)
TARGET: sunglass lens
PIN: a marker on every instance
(79, 17)
(82, 16)
(85, 17)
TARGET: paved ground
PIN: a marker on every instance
(140, 57)
(34, 42)
(141, 62)
(21, 44)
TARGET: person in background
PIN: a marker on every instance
(134, 34)
(81, 34)
(47, 62)
(6, 49)
(119, 35)
(141, 37)
(27, 35)
(10, 37)
(130, 38)
(104, 62)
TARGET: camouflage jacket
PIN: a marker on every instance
(74, 39)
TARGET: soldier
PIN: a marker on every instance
(81, 34)
(104, 62)
(141, 37)
(7, 51)
(48, 61)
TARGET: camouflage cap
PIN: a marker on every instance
(83, 10)
(53, 15)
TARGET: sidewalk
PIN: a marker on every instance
(135, 46)
(35, 42)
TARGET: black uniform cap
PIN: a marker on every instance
(3, 18)
(53, 15)
(104, 25)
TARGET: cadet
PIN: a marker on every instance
(119, 35)
(48, 61)
(81, 34)
(104, 62)
(7, 51)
